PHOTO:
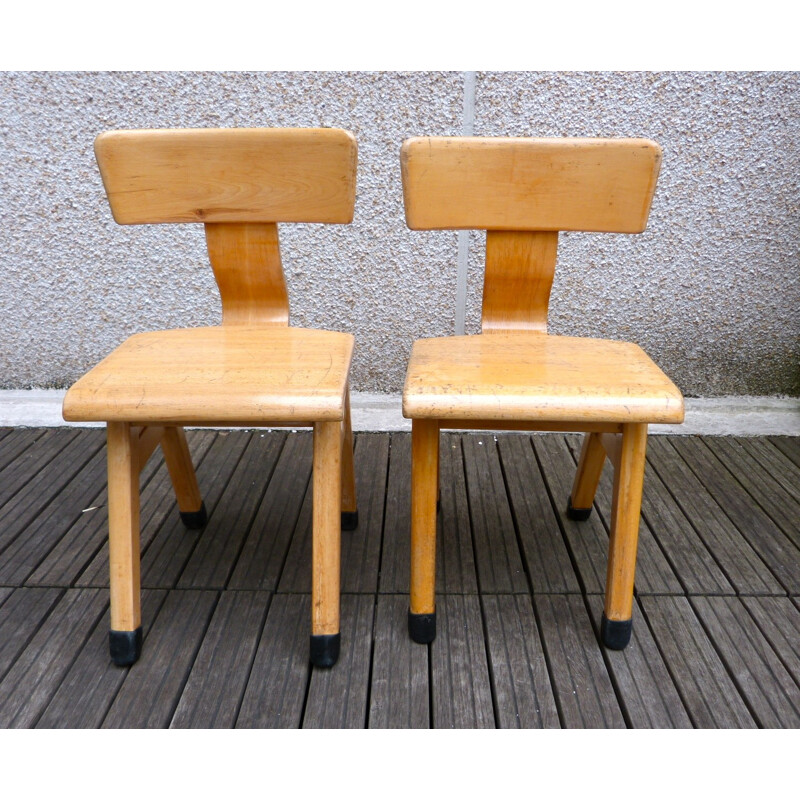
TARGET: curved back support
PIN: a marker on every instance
(529, 184)
(522, 192)
(229, 175)
(240, 182)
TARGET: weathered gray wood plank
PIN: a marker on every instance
(543, 547)
(42, 534)
(731, 550)
(25, 454)
(157, 504)
(394, 577)
(48, 466)
(15, 442)
(152, 688)
(497, 554)
(587, 540)
(776, 549)
(360, 554)
(89, 687)
(172, 544)
(455, 558)
(261, 561)
(276, 690)
(399, 691)
(771, 694)
(789, 446)
(337, 697)
(216, 684)
(778, 619)
(522, 687)
(687, 553)
(647, 693)
(764, 486)
(583, 688)
(217, 550)
(709, 695)
(654, 574)
(37, 673)
(460, 684)
(21, 614)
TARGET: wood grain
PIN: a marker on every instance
(529, 184)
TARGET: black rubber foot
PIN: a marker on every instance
(615, 633)
(349, 520)
(325, 649)
(422, 627)
(194, 520)
(578, 514)
(125, 646)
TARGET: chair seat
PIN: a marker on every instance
(533, 376)
(219, 375)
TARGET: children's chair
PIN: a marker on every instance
(253, 370)
(514, 375)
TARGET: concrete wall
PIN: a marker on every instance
(711, 290)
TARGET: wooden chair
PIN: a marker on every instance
(515, 376)
(253, 370)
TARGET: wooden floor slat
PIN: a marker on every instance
(226, 611)
(708, 691)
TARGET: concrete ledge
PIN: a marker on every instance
(711, 416)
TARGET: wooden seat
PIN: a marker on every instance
(514, 375)
(253, 370)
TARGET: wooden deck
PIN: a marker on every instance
(226, 610)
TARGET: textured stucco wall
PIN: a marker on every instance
(711, 290)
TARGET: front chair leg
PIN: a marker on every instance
(617, 622)
(184, 480)
(125, 638)
(326, 543)
(587, 477)
(349, 503)
(424, 488)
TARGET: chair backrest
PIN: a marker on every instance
(239, 182)
(523, 192)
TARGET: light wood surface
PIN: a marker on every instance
(529, 376)
(424, 490)
(246, 259)
(123, 526)
(232, 375)
(326, 536)
(587, 476)
(624, 534)
(529, 184)
(229, 175)
(519, 275)
(181, 470)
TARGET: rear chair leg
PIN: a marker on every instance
(349, 504)
(617, 621)
(424, 488)
(587, 477)
(184, 480)
(125, 637)
(326, 543)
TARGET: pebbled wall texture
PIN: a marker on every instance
(711, 290)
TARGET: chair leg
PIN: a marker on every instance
(424, 488)
(617, 622)
(349, 502)
(184, 480)
(587, 477)
(125, 638)
(326, 543)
